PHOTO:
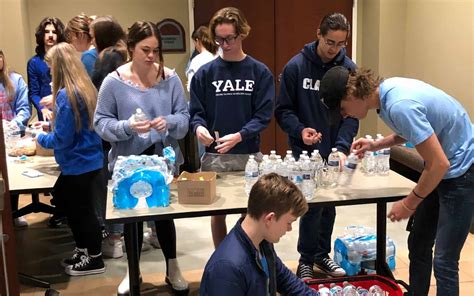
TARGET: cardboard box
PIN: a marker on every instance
(197, 188)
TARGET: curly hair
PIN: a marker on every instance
(230, 15)
(362, 83)
(40, 31)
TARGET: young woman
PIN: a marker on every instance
(145, 83)
(77, 33)
(78, 151)
(15, 108)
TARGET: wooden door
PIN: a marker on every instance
(280, 28)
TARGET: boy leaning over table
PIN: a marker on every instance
(245, 263)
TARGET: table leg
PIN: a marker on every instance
(381, 265)
(131, 232)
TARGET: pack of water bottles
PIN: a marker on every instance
(356, 248)
(141, 181)
(377, 162)
(348, 289)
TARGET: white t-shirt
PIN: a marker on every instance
(201, 59)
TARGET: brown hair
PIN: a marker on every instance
(107, 32)
(40, 30)
(68, 72)
(274, 193)
(5, 79)
(202, 34)
(362, 83)
(335, 22)
(230, 15)
(78, 25)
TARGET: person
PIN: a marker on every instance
(77, 33)
(300, 114)
(237, 82)
(147, 84)
(443, 134)
(49, 32)
(245, 263)
(78, 151)
(108, 38)
(15, 109)
(207, 51)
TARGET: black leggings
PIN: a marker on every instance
(77, 195)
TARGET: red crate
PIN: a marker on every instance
(365, 281)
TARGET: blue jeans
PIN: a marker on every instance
(314, 242)
(447, 228)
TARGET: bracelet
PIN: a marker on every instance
(420, 197)
(406, 207)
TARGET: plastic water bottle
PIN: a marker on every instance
(349, 290)
(288, 156)
(251, 173)
(324, 291)
(349, 169)
(362, 291)
(308, 184)
(282, 168)
(375, 290)
(336, 290)
(333, 167)
(140, 116)
(384, 161)
(273, 156)
(368, 162)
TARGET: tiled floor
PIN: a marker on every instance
(41, 248)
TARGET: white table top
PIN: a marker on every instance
(19, 183)
(232, 198)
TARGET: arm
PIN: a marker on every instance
(178, 120)
(346, 133)
(88, 59)
(197, 103)
(285, 112)
(34, 83)
(262, 106)
(223, 278)
(22, 105)
(106, 122)
(64, 130)
(288, 283)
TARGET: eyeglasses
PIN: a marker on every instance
(229, 40)
(332, 43)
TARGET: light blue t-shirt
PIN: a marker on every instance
(415, 110)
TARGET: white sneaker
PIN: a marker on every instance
(20, 222)
(124, 287)
(112, 248)
(175, 278)
(149, 238)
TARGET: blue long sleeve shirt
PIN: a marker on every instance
(39, 79)
(76, 152)
(230, 97)
(20, 105)
(298, 105)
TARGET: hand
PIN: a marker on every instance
(203, 136)
(47, 102)
(159, 124)
(47, 114)
(400, 211)
(139, 126)
(342, 158)
(43, 125)
(360, 146)
(310, 136)
(227, 142)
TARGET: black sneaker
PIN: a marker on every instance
(89, 265)
(330, 267)
(57, 220)
(77, 256)
(305, 271)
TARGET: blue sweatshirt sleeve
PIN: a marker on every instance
(34, 86)
(262, 106)
(106, 124)
(21, 105)
(64, 125)
(88, 59)
(346, 133)
(286, 102)
(197, 103)
(289, 284)
(178, 120)
(223, 278)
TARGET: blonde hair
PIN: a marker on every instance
(68, 72)
(5, 79)
(77, 25)
(230, 15)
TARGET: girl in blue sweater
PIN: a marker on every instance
(78, 151)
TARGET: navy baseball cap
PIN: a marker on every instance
(331, 91)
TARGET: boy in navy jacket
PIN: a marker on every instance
(245, 263)
(300, 113)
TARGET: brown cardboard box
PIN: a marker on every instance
(197, 188)
(40, 151)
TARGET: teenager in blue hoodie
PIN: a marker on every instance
(303, 117)
(231, 102)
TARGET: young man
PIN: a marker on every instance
(443, 134)
(301, 115)
(245, 263)
(49, 33)
(231, 102)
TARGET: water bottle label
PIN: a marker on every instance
(306, 176)
(298, 179)
(351, 165)
(333, 163)
(386, 152)
(251, 174)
